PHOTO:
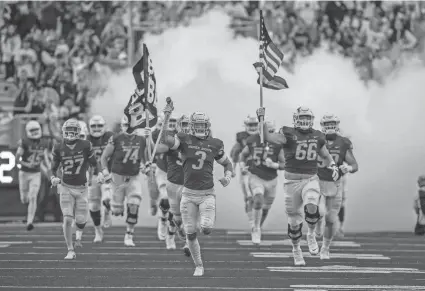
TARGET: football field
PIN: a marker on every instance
(361, 261)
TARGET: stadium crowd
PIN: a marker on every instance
(54, 55)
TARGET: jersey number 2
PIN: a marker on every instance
(202, 156)
(306, 151)
(69, 165)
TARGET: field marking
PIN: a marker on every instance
(144, 287)
(168, 253)
(346, 269)
(361, 287)
(162, 247)
(133, 268)
(334, 255)
(106, 241)
(288, 242)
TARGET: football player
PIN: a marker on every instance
(419, 207)
(98, 193)
(31, 151)
(301, 145)
(198, 151)
(84, 131)
(127, 154)
(251, 128)
(266, 160)
(341, 150)
(74, 155)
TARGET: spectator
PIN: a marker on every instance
(10, 43)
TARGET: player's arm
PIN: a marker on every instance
(326, 156)
(46, 158)
(243, 156)
(235, 152)
(169, 142)
(19, 152)
(273, 137)
(106, 155)
(56, 160)
(351, 161)
(92, 160)
(281, 160)
(224, 160)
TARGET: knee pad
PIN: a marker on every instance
(80, 225)
(94, 205)
(132, 213)
(164, 205)
(96, 217)
(311, 218)
(296, 233)
(341, 214)
(191, 236)
(258, 201)
(206, 230)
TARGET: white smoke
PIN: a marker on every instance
(204, 68)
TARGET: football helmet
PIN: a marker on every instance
(330, 124)
(251, 124)
(421, 181)
(33, 129)
(183, 124)
(84, 131)
(172, 122)
(71, 130)
(303, 118)
(200, 125)
(271, 126)
(97, 126)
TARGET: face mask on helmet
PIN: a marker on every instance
(71, 133)
(330, 127)
(33, 130)
(200, 129)
(270, 126)
(97, 126)
(251, 127)
(172, 123)
(303, 122)
(185, 127)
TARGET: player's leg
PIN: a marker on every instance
(257, 188)
(293, 209)
(67, 203)
(118, 187)
(341, 214)
(134, 199)
(95, 206)
(34, 188)
(81, 213)
(106, 201)
(153, 193)
(311, 199)
(248, 198)
(269, 197)
(172, 192)
(24, 187)
(164, 205)
(189, 210)
(333, 205)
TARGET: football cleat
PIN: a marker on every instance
(313, 247)
(98, 237)
(256, 235)
(186, 250)
(170, 242)
(128, 240)
(199, 272)
(298, 256)
(71, 255)
(162, 229)
(324, 254)
(30, 226)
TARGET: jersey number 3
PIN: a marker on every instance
(306, 151)
(202, 156)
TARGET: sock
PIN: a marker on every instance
(310, 228)
(32, 207)
(328, 234)
(130, 228)
(98, 228)
(67, 233)
(264, 216)
(195, 250)
(258, 213)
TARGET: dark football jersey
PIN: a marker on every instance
(241, 138)
(198, 157)
(337, 149)
(301, 150)
(128, 153)
(75, 160)
(175, 172)
(259, 154)
(99, 144)
(33, 153)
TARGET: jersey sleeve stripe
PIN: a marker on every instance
(176, 143)
(222, 159)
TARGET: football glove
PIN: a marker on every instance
(55, 181)
(335, 171)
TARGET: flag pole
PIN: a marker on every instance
(261, 81)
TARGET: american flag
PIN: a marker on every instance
(144, 98)
(270, 60)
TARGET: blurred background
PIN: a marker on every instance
(71, 59)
